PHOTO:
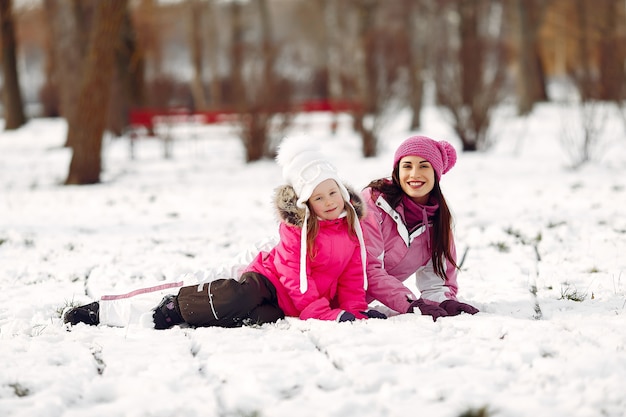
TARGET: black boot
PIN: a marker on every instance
(167, 313)
(87, 314)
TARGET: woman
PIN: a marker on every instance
(408, 230)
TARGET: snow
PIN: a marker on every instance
(545, 265)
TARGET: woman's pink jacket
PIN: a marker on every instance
(394, 254)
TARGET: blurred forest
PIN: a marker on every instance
(94, 63)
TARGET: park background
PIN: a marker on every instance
(530, 93)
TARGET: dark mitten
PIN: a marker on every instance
(454, 308)
(346, 316)
(374, 314)
(167, 313)
(432, 310)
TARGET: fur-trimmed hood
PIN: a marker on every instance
(285, 202)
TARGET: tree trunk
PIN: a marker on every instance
(530, 76)
(366, 12)
(66, 53)
(12, 96)
(470, 52)
(611, 52)
(584, 77)
(196, 9)
(129, 79)
(94, 93)
(414, 62)
(215, 86)
(236, 57)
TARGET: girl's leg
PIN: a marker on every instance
(228, 302)
(265, 313)
(121, 309)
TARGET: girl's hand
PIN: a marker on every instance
(374, 314)
(346, 316)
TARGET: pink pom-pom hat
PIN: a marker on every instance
(440, 154)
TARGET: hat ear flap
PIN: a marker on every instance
(448, 156)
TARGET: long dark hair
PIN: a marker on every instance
(442, 221)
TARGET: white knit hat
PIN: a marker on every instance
(304, 168)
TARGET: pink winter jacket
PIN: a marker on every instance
(393, 255)
(335, 274)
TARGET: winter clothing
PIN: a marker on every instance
(454, 308)
(395, 252)
(334, 276)
(167, 313)
(346, 316)
(304, 168)
(432, 310)
(375, 314)
(398, 241)
(230, 302)
(440, 154)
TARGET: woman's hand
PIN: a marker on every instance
(454, 307)
(426, 309)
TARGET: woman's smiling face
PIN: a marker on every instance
(417, 178)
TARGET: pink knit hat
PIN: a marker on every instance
(440, 154)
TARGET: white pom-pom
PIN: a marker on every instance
(293, 146)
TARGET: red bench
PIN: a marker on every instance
(149, 118)
(158, 122)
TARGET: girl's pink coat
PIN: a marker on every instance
(335, 275)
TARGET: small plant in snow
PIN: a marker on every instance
(477, 412)
(501, 247)
(568, 292)
(68, 304)
(19, 389)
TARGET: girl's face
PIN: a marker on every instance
(417, 178)
(326, 201)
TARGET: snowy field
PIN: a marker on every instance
(545, 264)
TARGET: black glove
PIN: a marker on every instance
(374, 314)
(454, 307)
(432, 310)
(346, 316)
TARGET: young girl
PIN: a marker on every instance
(316, 270)
(408, 230)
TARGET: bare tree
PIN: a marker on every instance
(196, 17)
(531, 84)
(364, 119)
(262, 100)
(470, 70)
(94, 93)
(14, 116)
(128, 84)
(415, 60)
(66, 52)
(612, 50)
(215, 86)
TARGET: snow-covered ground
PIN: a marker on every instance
(545, 263)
